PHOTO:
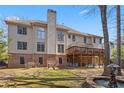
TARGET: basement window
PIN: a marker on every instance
(22, 60)
(41, 60)
(60, 60)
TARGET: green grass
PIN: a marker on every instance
(37, 77)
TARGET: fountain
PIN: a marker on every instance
(105, 81)
(111, 82)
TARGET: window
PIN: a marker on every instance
(100, 41)
(41, 60)
(41, 34)
(60, 48)
(22, 60)
(69, 36)
(73, 37)
(60, 60)
(22, 30)
(85, 40)
(40, 46)
(21, 45)
(94, 40)
(60, 36)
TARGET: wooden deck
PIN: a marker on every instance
(84, 56)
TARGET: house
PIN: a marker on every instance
(45, 43)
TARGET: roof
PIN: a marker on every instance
(30, 22)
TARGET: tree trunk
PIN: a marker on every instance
(118, 38)
(103, 11)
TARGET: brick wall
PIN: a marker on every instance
(14, 60)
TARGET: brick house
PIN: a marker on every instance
(45, 43)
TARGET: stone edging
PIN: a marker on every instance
(89, 83)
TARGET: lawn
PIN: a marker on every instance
(46, 78)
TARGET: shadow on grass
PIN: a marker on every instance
(47, 81)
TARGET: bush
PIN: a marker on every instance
(3, 63)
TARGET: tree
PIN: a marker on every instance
(103, 13)
(114, 53)
(118, 18)
(3, 46)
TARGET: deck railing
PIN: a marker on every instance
(84, 50)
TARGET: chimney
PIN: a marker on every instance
(51, 32)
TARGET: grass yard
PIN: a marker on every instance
(46, 78)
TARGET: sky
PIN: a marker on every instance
(72, 16)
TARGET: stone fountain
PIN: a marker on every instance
(113, 71)
(105, 81)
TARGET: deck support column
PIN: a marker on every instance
(92, 60)
(33, 60)
(99, 61)
(92, 57)
(73, 57)
(81, 61)
(87, 57)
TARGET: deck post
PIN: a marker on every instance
(99, 61)
(87, 58)
(92, 58)
(34, 60)
(81, 60)
(93, 63)
(73, 56)
(99, 58)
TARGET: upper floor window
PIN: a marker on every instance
(60, 48)
(73, 38)
(100, 41)
(69, 36)
(94, 40)
(85, 40)
(41, 33)
(21, 45)
(40, 46)
(22, 30)
(60, 36)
